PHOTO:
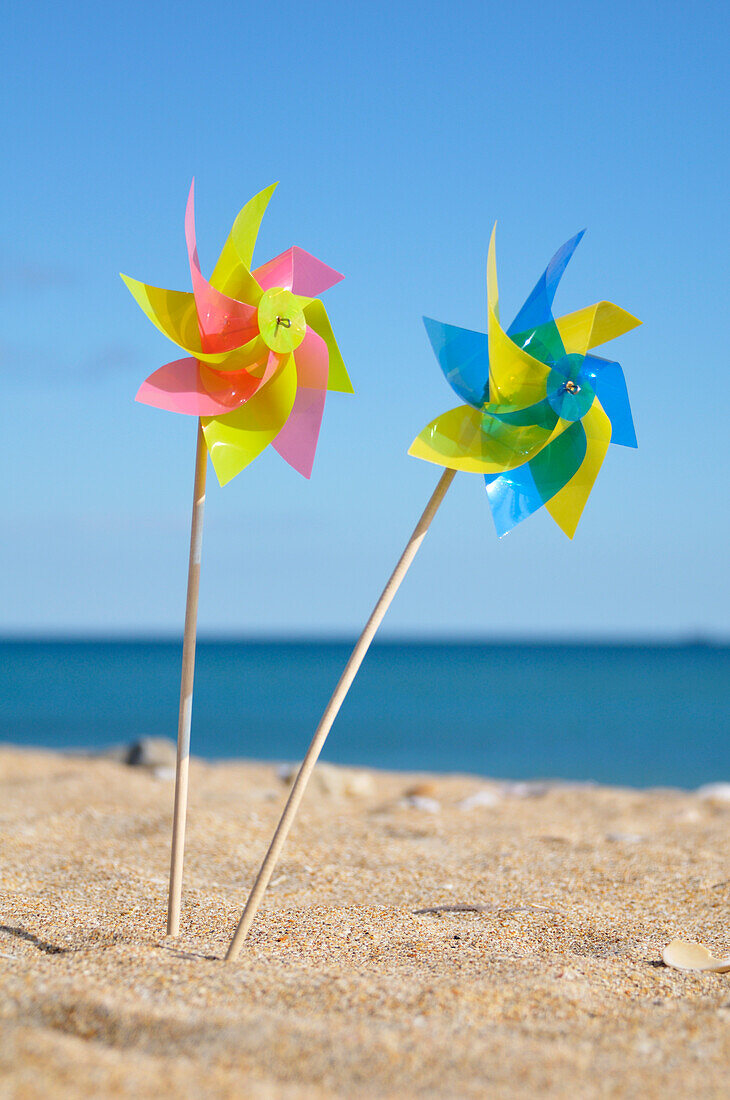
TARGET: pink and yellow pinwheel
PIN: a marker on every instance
(541, 410)
(261, 353)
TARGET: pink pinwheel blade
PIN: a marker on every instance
(189, 386)
(224, 323)
(298, 271)
(297, 440)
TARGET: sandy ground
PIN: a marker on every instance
(354, 983)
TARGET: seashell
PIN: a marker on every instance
(681, 955)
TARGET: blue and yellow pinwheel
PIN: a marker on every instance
(541, 410)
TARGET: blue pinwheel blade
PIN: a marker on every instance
(537, 310)
(607, 380)
(463, 356)
(515, 495)
(512, 497)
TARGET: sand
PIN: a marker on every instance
(358, 980)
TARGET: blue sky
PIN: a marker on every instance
(400, 133)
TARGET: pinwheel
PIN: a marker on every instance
(260, 357)
(541, 412)
(261, 351)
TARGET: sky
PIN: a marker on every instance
(399, 133)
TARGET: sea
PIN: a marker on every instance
(630, 714)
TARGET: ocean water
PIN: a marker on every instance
(643, 715)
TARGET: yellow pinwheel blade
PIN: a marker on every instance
(171, 311)
(236, 439)
(317, 319)
(567, 505)
(468, 439)
(232, 274)
(515, 378)
(251, 356)
(594, 325)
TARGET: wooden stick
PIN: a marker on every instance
(331, 711)
(186, 690)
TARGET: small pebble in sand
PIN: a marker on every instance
(331, 781)
(420, 802)
(715, 792)
(152, 752)
(533, 789)
(425, 789)
(485, 797)
(163, 774)
(688, 816)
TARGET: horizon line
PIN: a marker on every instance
(167, 637)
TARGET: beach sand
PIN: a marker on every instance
(354, 982)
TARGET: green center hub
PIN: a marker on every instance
(281, 320)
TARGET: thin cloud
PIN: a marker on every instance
(106, 361)
(31, 278)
